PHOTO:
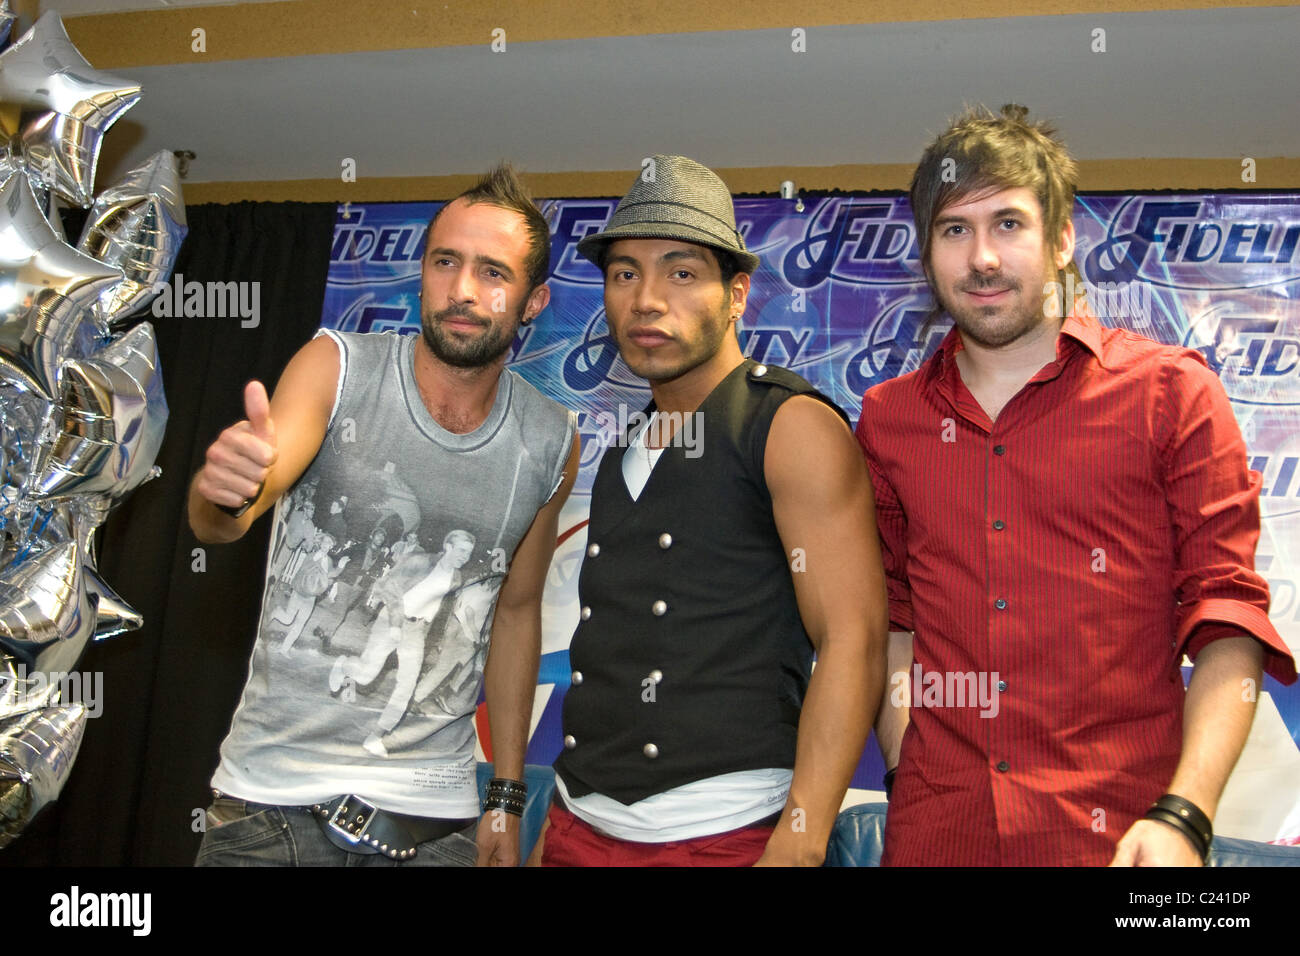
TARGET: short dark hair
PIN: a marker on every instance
(982, 151)
(502, 187)
(728, 264)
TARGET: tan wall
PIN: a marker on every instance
(305, 27)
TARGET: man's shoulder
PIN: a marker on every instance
(1127, 351)
(361, 355)
(347, 340)
(762, 380)
(760, 376)
(363, 345)
(892, 392)
(529, 401)
(380, 339)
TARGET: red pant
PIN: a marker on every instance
(571, 842)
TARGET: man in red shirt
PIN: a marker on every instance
(1065, 511)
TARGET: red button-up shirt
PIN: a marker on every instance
(1064, 554)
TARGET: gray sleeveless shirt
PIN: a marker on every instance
(384, 568)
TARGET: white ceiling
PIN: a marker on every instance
(1171, 84)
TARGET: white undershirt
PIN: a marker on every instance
(639, 461)
(700, 808)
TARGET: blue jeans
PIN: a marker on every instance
(254, 834)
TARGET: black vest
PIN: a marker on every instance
(690, 659)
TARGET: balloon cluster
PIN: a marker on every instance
(82, 409)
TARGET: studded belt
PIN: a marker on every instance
(356, 826)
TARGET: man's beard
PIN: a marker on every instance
(994, 326)
(475, 353)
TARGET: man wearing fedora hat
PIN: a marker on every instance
(695, 731)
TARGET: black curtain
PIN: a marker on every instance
(169, 689)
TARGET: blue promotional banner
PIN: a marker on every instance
(840, 299)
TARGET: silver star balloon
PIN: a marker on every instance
(37, 527)
(37, 750)
(45, 286)
(75, 519)
(113, 615)
(86, 513)
(46, 614)
(28, 529)
(21, 417)
(69, 519)
(110, 421)
(20, 690)
(68, 105)
(137, 225)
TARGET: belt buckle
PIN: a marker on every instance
(341, 823)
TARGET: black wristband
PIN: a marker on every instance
(248, 503)
(506, 804)
(1185, 817)
(508, 795)
(889, 781)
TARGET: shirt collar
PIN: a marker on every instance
(1080, 326)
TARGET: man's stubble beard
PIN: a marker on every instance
(481, 352)
(1028, 313)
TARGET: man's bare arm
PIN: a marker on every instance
(892, 719)
(822, 503)
(275, 444)
(510, 676)
(1217, 715)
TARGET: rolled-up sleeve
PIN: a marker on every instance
(1213, 502)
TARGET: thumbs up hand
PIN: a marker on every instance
(238, 462)
(258, 409)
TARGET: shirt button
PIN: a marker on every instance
(1003, 766)
(999, 449)
(1000, 604)
(570, 741)
(1002, 685)
(665, 541)
(760, 371)
(656, 675)
(999, 525)
(586, 613)
(650, 750)
(575, 678)
(593, 549)
(659, 608)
